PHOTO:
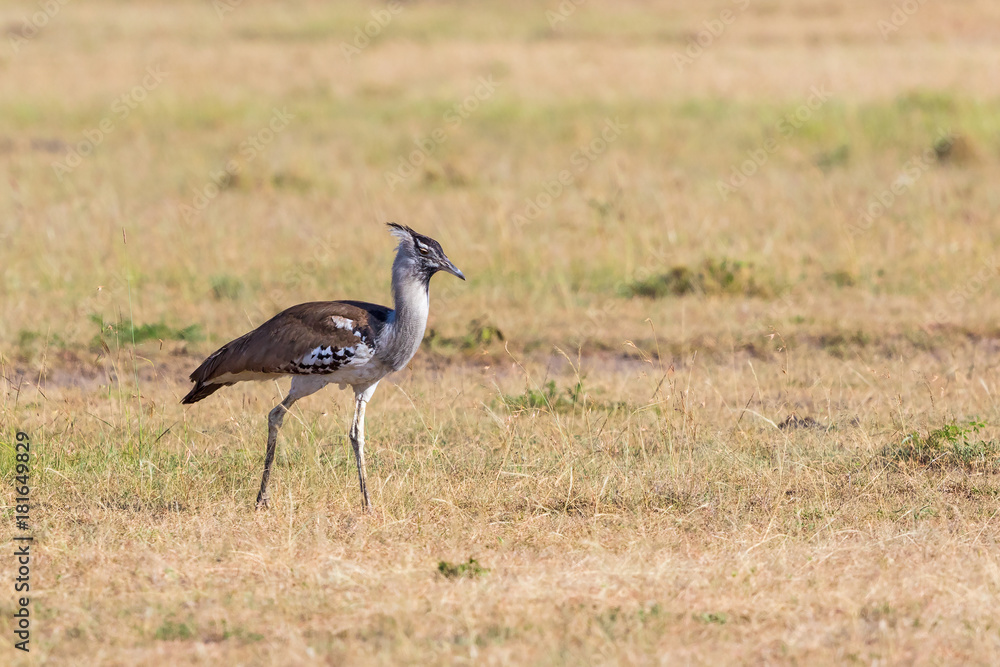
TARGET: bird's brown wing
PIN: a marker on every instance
(311, 338)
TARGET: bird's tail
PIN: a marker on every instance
(201, 390)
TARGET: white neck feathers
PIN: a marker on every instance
(402, 334)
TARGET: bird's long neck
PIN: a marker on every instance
(411, 303)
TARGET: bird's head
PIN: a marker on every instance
(421, 255)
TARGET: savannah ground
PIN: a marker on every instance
(672, 422)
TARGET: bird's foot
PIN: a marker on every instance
(263, 502)
(372, 514)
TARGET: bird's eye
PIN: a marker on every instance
(422, 249)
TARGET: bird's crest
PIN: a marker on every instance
(417, 241)
(401, 232)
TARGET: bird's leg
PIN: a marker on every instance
(358, 442)
(302, 386)
(274, 420)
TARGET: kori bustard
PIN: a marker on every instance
(344, 342)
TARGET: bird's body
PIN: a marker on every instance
(333, 340)
(350, 343)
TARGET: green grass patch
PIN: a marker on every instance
(952, 445)
(712, 617)
(227, 287)
(173, 631)
(548, 397)
(714, 277)
(480, 334)
(126, 332)
(472, 569)
(841, 344)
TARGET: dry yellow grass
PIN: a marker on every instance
(616, 462)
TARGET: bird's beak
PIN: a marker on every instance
(452, 269)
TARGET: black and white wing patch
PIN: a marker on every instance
(338, 355)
